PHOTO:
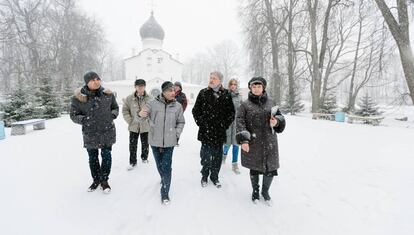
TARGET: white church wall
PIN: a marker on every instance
(151, 64)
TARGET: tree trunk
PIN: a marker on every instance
(276, 81)
(291, 80)
(351, 95)
(400, 32)
(316, 75)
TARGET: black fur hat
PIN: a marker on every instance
(258, 80)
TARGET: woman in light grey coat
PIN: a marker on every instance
(166, 124)
(231, 132)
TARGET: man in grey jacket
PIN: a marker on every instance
(132, 105)
(166, 124)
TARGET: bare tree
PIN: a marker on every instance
(49, 44)
(225, 57)
(400, 31)
(318, 58)
(197, 68)
(255, 36)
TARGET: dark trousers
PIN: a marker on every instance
(211, 157)
(100, 172)
(163, 160)
(133, 142)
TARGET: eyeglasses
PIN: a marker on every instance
(233, 84)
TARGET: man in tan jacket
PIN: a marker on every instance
(132, 105)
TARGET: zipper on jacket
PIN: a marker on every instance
(163, 129)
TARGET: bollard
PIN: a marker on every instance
(340, 116)
(2, 134)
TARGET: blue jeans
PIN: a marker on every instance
(211, 157)
(100, 172)
(226, 148)
(163, 160)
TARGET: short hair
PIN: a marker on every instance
(232, 80)
(218, 74)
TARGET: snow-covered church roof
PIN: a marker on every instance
(151, 29)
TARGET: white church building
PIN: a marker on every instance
(153, 64)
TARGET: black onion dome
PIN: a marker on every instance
(151, 29)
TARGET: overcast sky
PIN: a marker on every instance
(190, 25)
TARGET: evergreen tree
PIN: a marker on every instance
(367, 107)
(292, 104)
(19, 106)
(67, 94)
(329, 104)
(47, 100)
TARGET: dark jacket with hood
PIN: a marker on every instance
(253, 117)
(213, 113)
(95, 111)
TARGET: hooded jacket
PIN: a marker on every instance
(95, 111)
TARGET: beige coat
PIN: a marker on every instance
(130, 109)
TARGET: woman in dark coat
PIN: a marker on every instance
(257, 125)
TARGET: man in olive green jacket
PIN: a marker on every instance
(132, 105)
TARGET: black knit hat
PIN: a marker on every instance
(90, 76)
(167, 85)
(140, 82)
(178, 84)
(258, 80)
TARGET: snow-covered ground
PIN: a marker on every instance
(335, 178)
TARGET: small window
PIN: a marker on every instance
(159, 60)
(192, 96)
(149, 58)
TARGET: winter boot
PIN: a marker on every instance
(93, 186)
(131, 167)
(105, 186)
(224, 159)
(204, 182)
(217, 183)
(267, 181)
(235, 168)
(254, 179)
(165, 200)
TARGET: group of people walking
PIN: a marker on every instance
(224, 121)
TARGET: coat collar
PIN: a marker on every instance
(258, 99)
(83, 93)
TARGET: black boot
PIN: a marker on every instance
(267, 181)
(105, 186)
(94, 186)
(254, 179)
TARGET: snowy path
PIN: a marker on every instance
(335, 178)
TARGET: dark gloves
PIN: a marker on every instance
(243, 136)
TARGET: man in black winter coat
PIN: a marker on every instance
(95, 108)
(213, 113)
